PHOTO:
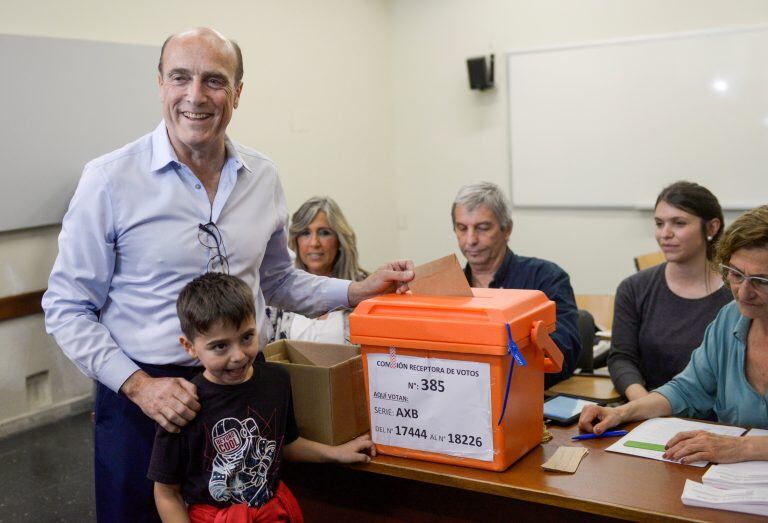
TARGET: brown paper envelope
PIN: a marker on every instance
(441, 277)
(565, 459)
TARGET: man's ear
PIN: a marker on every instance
(238, 90)
(508, 232)
(188, 347)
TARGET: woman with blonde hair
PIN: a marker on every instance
(325, 245)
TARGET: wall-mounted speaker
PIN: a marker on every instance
(480, 73)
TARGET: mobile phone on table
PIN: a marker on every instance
(565, 410)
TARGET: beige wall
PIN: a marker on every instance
(317, 95)
(447, 135)
(317, 99)
(367, 101)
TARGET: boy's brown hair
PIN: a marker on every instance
(211, 298)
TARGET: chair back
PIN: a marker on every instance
(600, 306)
(645, 261)
(587, 337)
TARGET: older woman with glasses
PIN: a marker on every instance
(325, 245)
(728, 374)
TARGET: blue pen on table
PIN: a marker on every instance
(609, 434)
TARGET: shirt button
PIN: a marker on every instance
(197, 186)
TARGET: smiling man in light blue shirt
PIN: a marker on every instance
(145, 220)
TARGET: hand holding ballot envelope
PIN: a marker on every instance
(392, 277)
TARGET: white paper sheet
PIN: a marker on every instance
(431, 404)
(746, 474)
(658, 431)
(750, 501)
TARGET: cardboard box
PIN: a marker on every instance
(329, 396)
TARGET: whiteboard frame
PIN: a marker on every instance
(640, 206)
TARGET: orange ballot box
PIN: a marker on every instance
(457, 380)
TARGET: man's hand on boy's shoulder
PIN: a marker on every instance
(171, 402)
(392, 277)
(359, 450)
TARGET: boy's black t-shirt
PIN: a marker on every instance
(230, 453)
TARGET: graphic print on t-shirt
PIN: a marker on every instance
(241, 464)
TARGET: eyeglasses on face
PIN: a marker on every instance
(735, 276)
(210, 237)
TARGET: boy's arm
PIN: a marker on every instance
(170, 504)
(359, 450)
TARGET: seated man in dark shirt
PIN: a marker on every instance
(482, 223)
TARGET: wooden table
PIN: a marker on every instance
(598, 388)
(607, 486)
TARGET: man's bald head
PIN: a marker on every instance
(212, 35)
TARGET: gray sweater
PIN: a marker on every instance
(655, 330)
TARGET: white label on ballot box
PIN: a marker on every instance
(434, 405)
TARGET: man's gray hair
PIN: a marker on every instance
(488, 194)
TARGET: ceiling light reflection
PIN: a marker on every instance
(719, 85)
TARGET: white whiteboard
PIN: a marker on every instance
(610, 124)
(66, 102)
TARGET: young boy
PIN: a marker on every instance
(228, 458)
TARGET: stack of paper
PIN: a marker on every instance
(742, 487)
(749, 500)
(749, 474)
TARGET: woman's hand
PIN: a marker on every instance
(652, 405)
(700, 445)
(606, 417)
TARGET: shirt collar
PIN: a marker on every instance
(163, 154)
(507, 263)
(741, 329)
(233, 155)
(505, 268)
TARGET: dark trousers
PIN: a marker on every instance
(123, 438)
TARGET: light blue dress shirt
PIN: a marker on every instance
(129, 243)
(714, 380)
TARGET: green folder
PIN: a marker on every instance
(644, 445)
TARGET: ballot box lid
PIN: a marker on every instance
(474, 324)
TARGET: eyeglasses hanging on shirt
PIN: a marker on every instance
(210, 237)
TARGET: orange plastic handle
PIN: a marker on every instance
(553, 358)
